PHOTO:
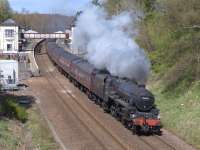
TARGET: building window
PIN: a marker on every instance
(9, 33)
(9, 47)
(10, 80)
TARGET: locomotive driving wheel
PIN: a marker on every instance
(113, 111)
(105, 107)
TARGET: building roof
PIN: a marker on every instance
(9, 22)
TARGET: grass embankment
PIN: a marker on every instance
(169, 31)
(171, 38)
(41, 136)
(180, 113)
(16, 133)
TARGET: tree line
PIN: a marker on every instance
(5, 10)
(169, 31)
(44, 23)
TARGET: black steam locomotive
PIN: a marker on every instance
(129, 102)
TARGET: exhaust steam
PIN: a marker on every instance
(109, 43)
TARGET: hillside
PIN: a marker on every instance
(169, 31)
(46, 23)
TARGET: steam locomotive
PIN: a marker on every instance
(123, 98)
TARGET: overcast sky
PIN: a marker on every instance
(48, 6)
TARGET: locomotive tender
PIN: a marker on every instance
(127, 101)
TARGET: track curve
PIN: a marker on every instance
(103, 132)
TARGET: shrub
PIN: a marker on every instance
(12, 109)
(21, 113)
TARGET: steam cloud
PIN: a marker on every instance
(109, 43)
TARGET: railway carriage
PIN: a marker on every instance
(65, 62)
(82, 73)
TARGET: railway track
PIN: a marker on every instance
(123, 146)
(156, 143)
(169, 145)
(56, 88)
(94, 118)
(52, 76)
(74, 113)
(152, 141)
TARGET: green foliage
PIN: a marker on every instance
(21, 113)
(8, 140)
(34, 134)
(116, 6)
(170, 33)
(113, 6)
(181, 114)
(173, 43)
(147, 5)
(41, 135)
(5, 10)
(13, 110)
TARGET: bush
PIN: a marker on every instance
(21, 114)
(12, 109)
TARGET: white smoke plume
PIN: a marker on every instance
(110, 44)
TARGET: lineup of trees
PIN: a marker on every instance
(44, 23)
(40, 22)
(5, 10)
(169, 31)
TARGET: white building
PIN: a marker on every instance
(9, 74)
(9, 37)
(73, 49)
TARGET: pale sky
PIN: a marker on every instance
(49, 6)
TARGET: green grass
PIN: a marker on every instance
(180, 113)
(40, 132)
(10, 108)
(8, 140)
(34, 134)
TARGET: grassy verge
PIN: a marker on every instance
(34, 134)
(180, 113)
(41, 135)
(8, 135)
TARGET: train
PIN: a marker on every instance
(125, 99)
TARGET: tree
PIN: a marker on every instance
(5, 10)
(148, 5)
(113, 7)
(96, 2)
